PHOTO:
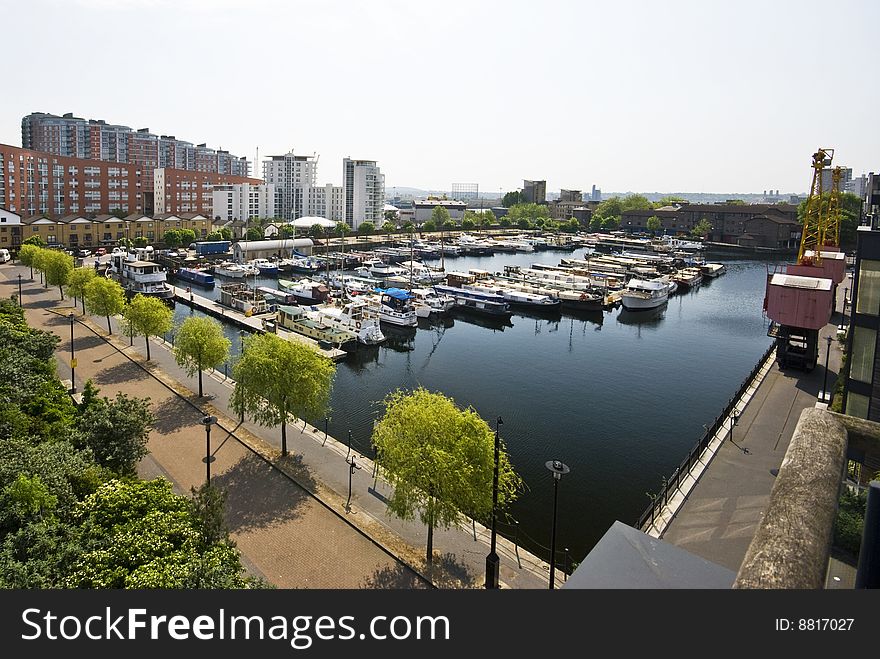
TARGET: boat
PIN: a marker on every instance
(242, 297)
(354, 316)
(265, 267)
(487, 303)
(688, 278)
(195, 276)
(713, 270)
(137, 273)
(427, 301)
(306, 291)
(303, 265)
(382, 270)
(394, 306)
(519, 298)
(644, 294)
(235, 270)
(295, 319)
(422, 274)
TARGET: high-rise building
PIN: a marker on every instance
(571, 195)
(364, 186)
(535, 192)
(858, 186)
(327, 201)
(844, 180)
(242, 201)
(291, 175)
(595, 194)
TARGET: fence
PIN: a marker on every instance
(673, 483)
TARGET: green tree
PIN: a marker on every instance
(635, 202)
(468, 224)
(440, 460)
(226, 233)
(388, 227)
(408, 226)
(595, 223)
(27, 255)
(611, 207)
(610, 223)
(36, 241)
(316, 231)
(200, 344)
(57, 267)
(172, 238)
(487, 218)
(277, 381)
(118, 212)
(104, 297)
(440, 216)
(214, 236)
(253, 233)
(77, 282)
(572, 226)
(530, 212)
(140, 241)
(524, 223)
(512, 198)
(41, 262)
(701, 229)
(654, 224)
(341, 229)
(670, 200)
(429, 226)
(366, 229)
(504, 221)
(187, 236)
(149, 316)
(391, 215)
(116, 431)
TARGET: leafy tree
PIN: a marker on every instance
(187, 236)
(524, 223)
(27, 254)
(104, 297)
(654, 224)
(530, 212)
(277, 381)
(341, 229)
(140, 241)
(76, 283)
(316, 231)
(41, 262)
(504, 221)
(610, 223)
(736, 202)
(286, 231)
(226, 233)
(467, 224)
(391, 215)
(572, 226)
(701, 229)
(214, 236)
(200, 344)
(611, 207)
(635, 202)
(440, 460)
(116, 431)
(670, 200)
(487, 218)
(388, 227)
(57, 267)
(512, 198)
(253, 233)
(118, 212)
(172, 238)
(148, 316)
(429, 226)
(125, 242)
(408, 226)
(440, 216)
(366, 229)
(36, 241)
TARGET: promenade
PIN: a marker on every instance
(288, 516)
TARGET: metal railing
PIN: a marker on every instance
(673, 483)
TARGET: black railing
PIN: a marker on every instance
(673, 483)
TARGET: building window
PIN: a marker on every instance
(868, 301)
(862, 364)
(857, 405)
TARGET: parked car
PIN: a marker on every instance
(84, 253)
(100, 251)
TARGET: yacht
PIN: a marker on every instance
(265, 267)
(355, 316)
(382, 270)
(394, 306)
(428, 301)
(420, 273)
(713, 270)
(306, 291)
(643, 294)
(137, 273)
(688, 278)
(235, 270)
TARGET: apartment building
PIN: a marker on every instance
(291, 175)
(181, 191)
(364, 188)
(77, 230)
(243, 201)
(535, 192)
(327, 201)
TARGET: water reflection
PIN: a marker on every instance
(647, 317)
(482, 320)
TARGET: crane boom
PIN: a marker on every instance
(814, 227)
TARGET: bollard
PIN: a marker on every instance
(868, 571)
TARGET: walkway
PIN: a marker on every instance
(288, 516)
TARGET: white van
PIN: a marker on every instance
(4, 256)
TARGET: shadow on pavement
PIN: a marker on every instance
(174, 413)
(449, 573)
(119, 374)
(89, 341)
(258, 495)
(392, 577)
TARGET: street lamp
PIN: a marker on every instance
(19, 290)
(493, 563)
(352, 467)
(825, 397)
(559, 470)
(208, 421)
(72, 357)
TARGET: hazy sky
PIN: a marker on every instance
(629, 95)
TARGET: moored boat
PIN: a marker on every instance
(644, 294)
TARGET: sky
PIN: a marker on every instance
(672, 96)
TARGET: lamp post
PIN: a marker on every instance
(825, 397)
(72, 357)
(559, 470)
(493, 563)
(352, 467)
(208, 421)
(19, 290)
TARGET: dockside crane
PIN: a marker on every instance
(812, 236)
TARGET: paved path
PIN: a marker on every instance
(719, 512)
(287, 515)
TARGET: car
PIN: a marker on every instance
(100, 251)
(84, 252)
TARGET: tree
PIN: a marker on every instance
(524, 223)
(408, 226)
(701, 229)
(512, 198)
(76, 283)
(366, 229)
(140, 241)
(654, 224)
(530, 212)
(440, 216)
(172, 238)
(36, 241)
(148, 316)
(572, 226)
(214, 236)
(27, 254)
(57, 266)
(595, 223)
(277, 381)
(388, 227)
(316, 231)
(187, 236)
(670, 200)
(200, 344)
(104, 297)
(429, 226)
(118, 212)
(286, 231)
(610, 223)
(341, 229)
(611, 207)
(504, 221)
(440, 460)
(467, 224)
(487, 218)
(41, 262)
(253, 233)
(635, 202)
(116, 431)
(226, 233)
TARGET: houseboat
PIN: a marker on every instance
(295, 319)
(137, 273)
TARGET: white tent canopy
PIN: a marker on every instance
(309, 222)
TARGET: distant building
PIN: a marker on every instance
(563, 208)
(465, 191)
(858, 186)
(180, 191)
(291, 175)
(242, 201)
(595, 194)
(846, 177)
(364, 187)
(327, 201)
(535, 192)
(424, 209)
(571, 195)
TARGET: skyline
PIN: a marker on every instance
(642, 98)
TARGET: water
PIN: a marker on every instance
(620, 397)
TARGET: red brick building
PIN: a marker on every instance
(181, 191)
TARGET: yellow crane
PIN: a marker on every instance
(813, 236)
(831, 230)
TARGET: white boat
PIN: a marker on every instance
(487, 303)
(306, 291)
(428, 301)
(355, 316)
(688, 278)
(384, 270)
(517, 297)
(394, 306)
(235, 270)
(265, 267)
(643, 294)
(713, 269)
(421, 274)
(137, 273)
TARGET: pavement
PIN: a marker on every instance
(717, 512)
(290, 517)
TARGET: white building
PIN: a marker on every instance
(327, 201)
(364, 188)
(10, 229)
(858, 186)
(242, 201)
(291, 175)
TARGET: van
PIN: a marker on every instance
(4, 256)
